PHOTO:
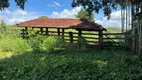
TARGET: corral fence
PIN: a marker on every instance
(110, 40)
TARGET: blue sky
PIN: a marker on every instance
(51, 8)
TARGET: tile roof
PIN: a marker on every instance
(75, 23)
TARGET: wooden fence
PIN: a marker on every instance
(110, 40)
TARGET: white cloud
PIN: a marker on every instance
(20, 12)
(54, 4)
(57, 4)
(115, 20)
(66, 13)
(16, 16)
(7, 11)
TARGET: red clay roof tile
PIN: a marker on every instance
(75, 23)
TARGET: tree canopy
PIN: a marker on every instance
(106, 5)
(2, 24)
(43, 17)
(85, 15)
(5, 4)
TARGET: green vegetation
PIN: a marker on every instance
(75, 65)
(83, 14)
(113, 30)
(5, 4)
(49, 58)
(43, 17)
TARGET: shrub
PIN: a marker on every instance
(35, 40)
(6, 45)
(52, 43)
(17, 46)
(82, 42)
(41, 43)
(13, 43)
(21, 46)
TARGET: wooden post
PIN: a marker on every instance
(58, 30)
(63, 31)
(47, 33)
(100, 39)
(79, 37)
(32, 28)
(41, 30)
(71, 38)
(26, 32)
(26, 28)
(23, 33)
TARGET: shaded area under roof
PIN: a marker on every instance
(66, 23)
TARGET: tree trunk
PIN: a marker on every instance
(126, 18)
(133, 31)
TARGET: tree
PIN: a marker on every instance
(85, 15)
(43, 17)
(3, 26)
(5, 4)
(106, 5)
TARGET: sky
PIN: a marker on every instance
(53, 9)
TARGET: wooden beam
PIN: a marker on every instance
(79, 37)
(79, 33)
(23, 33)
(26, 29)
(100, 39)
(58, 30)
(63, 31)
(32, 28)
(47, 33)
(41, 30)
(71, 38)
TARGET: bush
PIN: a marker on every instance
(41, 43)
(35, 40)
(21, 46)
(12, 42)
(52, 43)
(6, 45)
(17, 45)
(82, 42)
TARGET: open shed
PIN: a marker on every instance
(65, 23)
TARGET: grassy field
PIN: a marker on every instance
(71, 65)
(50, 58)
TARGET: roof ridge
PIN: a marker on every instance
(58, 18)
(47, 18)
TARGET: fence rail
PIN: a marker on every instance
(109, 39)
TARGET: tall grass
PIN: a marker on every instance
(13, 45)
(12, 42)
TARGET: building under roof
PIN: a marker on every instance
(62, 23)
(65, 23)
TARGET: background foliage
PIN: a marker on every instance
(83, 14)
(54, 60)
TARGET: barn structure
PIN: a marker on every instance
(61, 24)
